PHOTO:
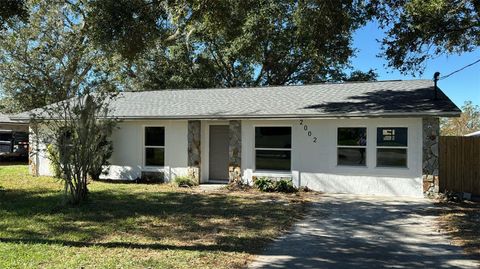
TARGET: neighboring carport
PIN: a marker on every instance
(345, 231)
(7, 124)
(13, 139)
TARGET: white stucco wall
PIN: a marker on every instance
(315, 164)
(40, 164)
(127, 161)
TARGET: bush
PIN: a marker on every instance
(266, 184)
(285, 185)
(54, 156)
(184, 182)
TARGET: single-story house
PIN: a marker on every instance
(366, 138)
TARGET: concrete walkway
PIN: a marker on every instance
(345, 231)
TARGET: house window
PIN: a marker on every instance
(273, 148)
(392, 147)
(154, 146)
(352, 146)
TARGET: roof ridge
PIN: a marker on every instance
(284, 86)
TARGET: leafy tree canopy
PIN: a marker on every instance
(11, 10)
(48, 58)
(419, 30)
(291, 41)
(51, 49)
(229, 43)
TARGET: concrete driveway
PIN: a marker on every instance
(345, 231)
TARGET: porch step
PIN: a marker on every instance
(216, 181)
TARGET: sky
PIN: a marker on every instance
(460, 87)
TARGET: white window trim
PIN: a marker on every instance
(352, 146)
(144, 152)
(269, 171)
(390, 147)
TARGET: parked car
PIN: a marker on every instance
(13, 145)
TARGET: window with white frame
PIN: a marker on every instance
(392, 144)
(273, 148)
(352, 146)
(154, 147)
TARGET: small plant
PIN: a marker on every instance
(285, 185)
(266, 184)
(184, 182)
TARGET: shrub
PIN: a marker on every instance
(266, 184)
(103, 152)
(285, 185)
(184, 182)
(53, 154)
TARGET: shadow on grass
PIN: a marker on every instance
(202, 222)
(130, 245)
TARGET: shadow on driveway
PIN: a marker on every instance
(345, 231)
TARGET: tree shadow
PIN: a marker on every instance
(115, 218)
(365, 234)
(390, 101)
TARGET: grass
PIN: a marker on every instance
(462, 222)
(135, 226)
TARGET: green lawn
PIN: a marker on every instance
(135, 226)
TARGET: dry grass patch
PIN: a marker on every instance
(135, 226)
(462, 222)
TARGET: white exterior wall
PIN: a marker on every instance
(127, 161)
(38, 156)
(315, 164)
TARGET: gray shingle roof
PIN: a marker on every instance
(4, 118)
(386, 99)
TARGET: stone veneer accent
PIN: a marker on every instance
(194, 150)
(431, 133)
(235, 151)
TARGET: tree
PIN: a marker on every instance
(468, 122)
(191, 44)
(11, 10)
(47, 63)
(419, 30)
(177, 44)
(78, 130)
(357, 75)
(49, 57)
(248, 43)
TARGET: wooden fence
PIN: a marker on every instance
(459, 164)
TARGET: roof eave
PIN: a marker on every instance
(298, 116)
(19, 119)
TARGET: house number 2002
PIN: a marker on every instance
(309, 133)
